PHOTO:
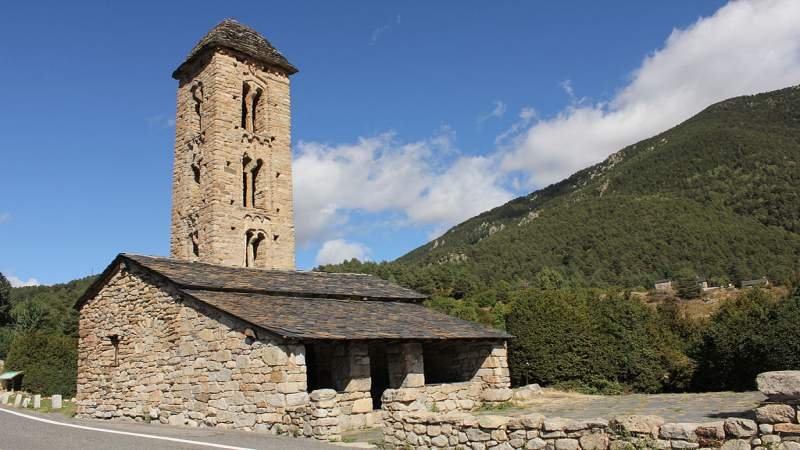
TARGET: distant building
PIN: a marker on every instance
(759, 282)
(664, 285)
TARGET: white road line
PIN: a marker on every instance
(126, 433)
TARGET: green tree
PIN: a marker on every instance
(29, 315)
(687, 285)
(549, 279)
(48, 360)
(736, 344)
(5, 300)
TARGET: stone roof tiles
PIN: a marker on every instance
(198, 275)
(334, 319)
(233, 35)
(305, 305)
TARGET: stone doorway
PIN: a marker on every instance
(378, 372)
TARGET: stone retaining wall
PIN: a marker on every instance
(409, 422)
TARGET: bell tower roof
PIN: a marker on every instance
(233, 35)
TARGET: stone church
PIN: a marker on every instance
(225, 332)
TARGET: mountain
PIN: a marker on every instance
(718, 194)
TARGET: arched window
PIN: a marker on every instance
(254, 181)
(194, 240)
(250, 172)
(254, 248)
(251, 99)
(246, 183)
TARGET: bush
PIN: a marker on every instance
(48, 360)
(6, 336)
(750, 334)
(601, 342)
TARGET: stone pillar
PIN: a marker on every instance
(323, 417)
(352, 377)
(37, 401)
(55, 402)
(495, 375)
(406, 365)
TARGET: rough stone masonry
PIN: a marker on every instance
(410, 422)
(226, 333)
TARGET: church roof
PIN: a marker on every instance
(335, 319)
(199, 275)
(306, 305)
(233, 35)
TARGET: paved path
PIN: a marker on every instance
(672, 407)
(29, 431)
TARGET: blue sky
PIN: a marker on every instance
(407, 117)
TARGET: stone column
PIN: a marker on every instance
(406, 366)
(323, 416)
(495, 376)
(352, 378)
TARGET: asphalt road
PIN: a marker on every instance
(31, 431)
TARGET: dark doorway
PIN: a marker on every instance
(318, 367)
(378, 372)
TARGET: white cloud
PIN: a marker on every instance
(5, 217)
(338, 250)
(160, 121)
(16, 282)
(497, 113)
(746, 47)
(425, 182)
(377, 32)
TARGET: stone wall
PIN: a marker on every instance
(213, 220)
(183, 363)
(409, 422)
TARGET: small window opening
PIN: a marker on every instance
(253, 250)
(115, 343)
(193, 237)
(197, 96)
(253, 181)
(196, 173)
(251, 97)
(254, 110)
(247, 257)
(246, 180)
(245, 106)
(256, 243)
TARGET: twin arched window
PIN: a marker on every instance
(255, 243)
(250, 175)
(251, 106)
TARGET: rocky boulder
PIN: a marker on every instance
(783, 385)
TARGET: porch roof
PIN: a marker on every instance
(343, 319)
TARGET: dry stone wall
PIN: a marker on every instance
(409, 422)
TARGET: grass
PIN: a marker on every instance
(68, 408)
(502, 406)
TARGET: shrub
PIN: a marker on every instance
(6, 336)
(48, 360)
(751, 334)
(600, 342)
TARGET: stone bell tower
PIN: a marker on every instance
(232, 175)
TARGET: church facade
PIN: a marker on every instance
(225, 332)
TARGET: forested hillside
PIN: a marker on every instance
(718, 195)
(38, 333)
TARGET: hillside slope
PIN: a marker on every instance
(718, 194)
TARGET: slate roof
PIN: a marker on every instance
(232, 34)
(197, 275)
(306, 305)
(326, 319)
